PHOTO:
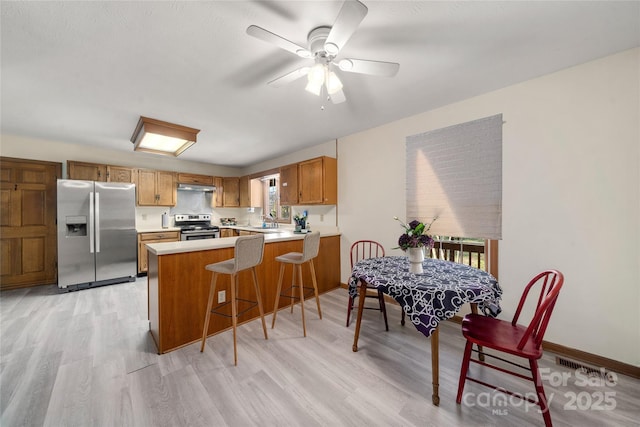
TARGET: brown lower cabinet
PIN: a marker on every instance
(152, 237)
(227, 232)
(179, 288)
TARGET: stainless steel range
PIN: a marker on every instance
(196, 227)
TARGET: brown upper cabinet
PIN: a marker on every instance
(318, 181)
(86, 171)
(99, 172)
(190, 178)
(218, 196)
(289, 185)
(231, 192)
(120, 174)
(155, 188)
(250, 192)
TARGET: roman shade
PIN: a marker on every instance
(455, 174)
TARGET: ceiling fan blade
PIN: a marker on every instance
(350, 16)
(282, 43)
(338, 97)
(374, 68)
(288, 78)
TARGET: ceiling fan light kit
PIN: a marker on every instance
(324, 45)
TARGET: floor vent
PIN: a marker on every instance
(588, 370)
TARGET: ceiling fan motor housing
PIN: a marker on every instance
(316, 40)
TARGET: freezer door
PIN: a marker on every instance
(75, 251)
(115, 241)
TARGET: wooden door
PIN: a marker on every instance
(289, 185)
(166, 188)
(310, 181)
(231, 193)
(217, 201)
(146, 187)
(119, 174)
(28, 242)
(245, 192)
(86, 171)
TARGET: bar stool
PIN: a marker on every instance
(310, 251)
(248, 254)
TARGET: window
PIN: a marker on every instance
(273, 209)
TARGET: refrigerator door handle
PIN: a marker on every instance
(97, 222)
(91, 218)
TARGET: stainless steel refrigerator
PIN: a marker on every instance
(96, 233)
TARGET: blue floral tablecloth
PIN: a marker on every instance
(435, 295)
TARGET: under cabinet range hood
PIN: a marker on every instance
(196, 187)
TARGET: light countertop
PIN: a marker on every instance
(156, 230)
(168, 248)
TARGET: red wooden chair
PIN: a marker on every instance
(514, 339)
(363, 249)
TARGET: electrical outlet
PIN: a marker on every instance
(321, 217)
(222, 296)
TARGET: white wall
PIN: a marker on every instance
(571, 194)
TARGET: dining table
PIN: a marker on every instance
(435, 294)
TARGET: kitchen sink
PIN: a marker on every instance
(266, 229)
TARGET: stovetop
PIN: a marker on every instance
(192, 222)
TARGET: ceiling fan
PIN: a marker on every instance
(324, 45)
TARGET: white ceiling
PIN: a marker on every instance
(83, 72)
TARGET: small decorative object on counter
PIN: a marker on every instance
(300, 221)
(228, 221)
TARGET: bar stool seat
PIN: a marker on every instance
(247, 255)
(311, 248)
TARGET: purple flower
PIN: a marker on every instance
(414, 235)
(414, 224)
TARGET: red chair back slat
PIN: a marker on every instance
(550, 282)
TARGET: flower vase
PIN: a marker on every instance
(416, 256)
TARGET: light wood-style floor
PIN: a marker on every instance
(86, 359)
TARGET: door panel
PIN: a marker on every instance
(5, 207)
(33, 207)
(33, 254)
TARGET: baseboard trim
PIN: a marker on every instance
(571, 353)
(583, 356)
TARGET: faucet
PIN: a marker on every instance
(272, 221)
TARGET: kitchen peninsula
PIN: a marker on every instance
(178, 284)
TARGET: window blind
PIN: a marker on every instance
(455, 174)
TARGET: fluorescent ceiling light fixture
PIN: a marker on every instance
(158, 137)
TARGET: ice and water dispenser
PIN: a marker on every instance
(76, 226)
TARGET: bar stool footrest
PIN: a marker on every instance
(310, 292)
(216, 310)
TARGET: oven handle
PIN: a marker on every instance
(199, 236)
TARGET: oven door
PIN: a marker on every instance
(199, 235)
